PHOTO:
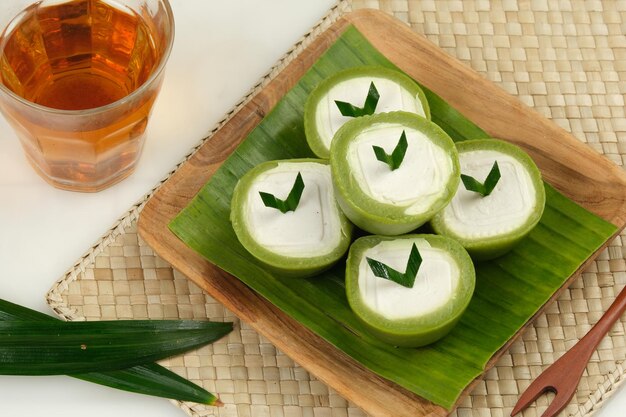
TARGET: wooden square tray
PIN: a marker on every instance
(574, 169)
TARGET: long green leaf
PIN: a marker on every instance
(510, 289)
(60, 348)
(150, 379)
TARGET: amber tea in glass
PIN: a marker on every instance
(78, 81)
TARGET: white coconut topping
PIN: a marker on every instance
(435, 284)
(418, 182)
(393, 97)
(313, 229)
(507, 208)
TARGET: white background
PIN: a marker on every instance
(222, 48)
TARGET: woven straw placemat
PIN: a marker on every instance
(567, 59)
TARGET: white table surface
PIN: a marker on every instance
(222, 48)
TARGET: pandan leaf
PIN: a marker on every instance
(483, 188)
(406, 278)
(149, 379)
(369, 107)
(292, 200)
(394, 160)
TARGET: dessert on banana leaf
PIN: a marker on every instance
(409, 290)
(285, 214)
(357, 92)
(500, 200)
(393, 171)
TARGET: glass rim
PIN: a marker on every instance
(117, 103)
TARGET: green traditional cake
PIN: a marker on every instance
(357, 92)
(409, 290)
(285, 214)
(488, 218)
(393, 171)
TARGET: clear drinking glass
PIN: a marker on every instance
(78, 79)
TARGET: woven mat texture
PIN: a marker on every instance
(567, 60)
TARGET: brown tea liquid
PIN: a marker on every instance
(79, 55)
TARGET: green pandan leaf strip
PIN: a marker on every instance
(369, 107)
(148, 379)
(394, 160)
(407, 278)
(483, 188)
(292, 200)
(68, 348)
